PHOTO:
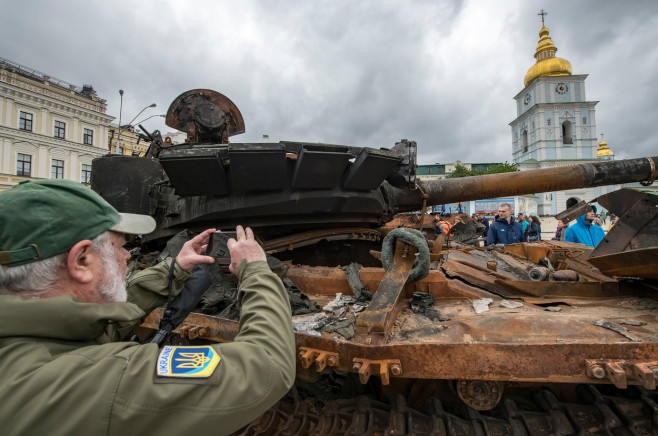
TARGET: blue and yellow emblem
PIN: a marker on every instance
(187, 362)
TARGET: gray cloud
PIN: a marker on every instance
(364, 73)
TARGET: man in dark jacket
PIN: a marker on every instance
(485, 222)
(584, 231)
(505, 230)
(64, 311)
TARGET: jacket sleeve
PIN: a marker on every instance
(570, 235)
(253, 372)
(491, 237)
(149, 289)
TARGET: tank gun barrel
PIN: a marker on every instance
(582, 175)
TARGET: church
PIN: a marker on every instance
(556, 124)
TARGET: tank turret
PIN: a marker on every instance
(287, 187)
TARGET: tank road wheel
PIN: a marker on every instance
(480, 394)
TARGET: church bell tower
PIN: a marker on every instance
(554, 119)
(555, 124)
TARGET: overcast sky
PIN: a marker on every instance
(362, 73)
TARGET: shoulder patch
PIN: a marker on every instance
(187, 362)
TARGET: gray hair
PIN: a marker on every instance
(38, 277)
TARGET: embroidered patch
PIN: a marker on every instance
(187, 362)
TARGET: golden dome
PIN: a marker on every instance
(603, 150)
(547, 64)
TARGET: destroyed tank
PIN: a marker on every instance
(397, 334)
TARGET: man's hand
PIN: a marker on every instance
(245, 248)
(190, 255)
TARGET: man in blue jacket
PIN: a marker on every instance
(505, 230)
(584, 232)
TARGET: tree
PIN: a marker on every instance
(462, 171)
(502, 168)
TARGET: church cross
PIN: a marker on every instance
(601, 136)
(542, 13)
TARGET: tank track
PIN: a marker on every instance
(630, 412)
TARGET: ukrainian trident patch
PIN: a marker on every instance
(187, 362)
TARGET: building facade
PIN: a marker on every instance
(49, 129)
(442, 170)
(129, 143)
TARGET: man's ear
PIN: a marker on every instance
(79, 262)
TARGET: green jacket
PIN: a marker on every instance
(63, 374)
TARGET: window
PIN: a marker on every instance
(85, 177)
(88, 137)
(25, 121)
(548, 121)
(57, 169)
(24, 165)
(584, 120)
(120, 150)
(567, 135)
(60, 130)
(524, 141)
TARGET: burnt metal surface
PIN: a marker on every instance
(287, 187)
(549, 337)
(630, 246)
(321, 358)
(272, 186)
(525, 182)
(478, 394)
(132, 191)
(573, 212)
(637, 227)
(634, 263)
(375, 323)
(384, 368)
(206, 116)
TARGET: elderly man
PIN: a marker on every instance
(505, 230)
(584, 231)
(63, 309)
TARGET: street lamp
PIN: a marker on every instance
(148, 118)
(116, 145)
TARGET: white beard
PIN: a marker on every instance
(112, 286)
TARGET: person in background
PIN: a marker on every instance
(485, 222)
(442, 225)
(584, 231)
(505, 230)
(559, 231)
(534, 229)
(523, 219)
(597, 220)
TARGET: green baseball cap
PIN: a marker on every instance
(43, 218)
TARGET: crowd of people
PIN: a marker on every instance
(509, 229)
